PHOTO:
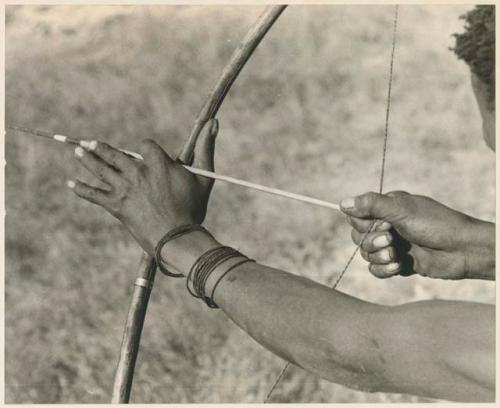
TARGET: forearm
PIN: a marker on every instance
(326, 332)
(442, 349)
(480, 254)
(323, 331)
(418, 348)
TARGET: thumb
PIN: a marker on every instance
(205, 148)
(373, 205)
(153, 152)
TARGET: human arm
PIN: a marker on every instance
(339, 337)
(436, 349)
(416, 234)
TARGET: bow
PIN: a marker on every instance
(147, 268)
(145, 277)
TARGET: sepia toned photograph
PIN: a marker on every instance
(249, 203)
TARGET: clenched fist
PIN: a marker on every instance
(403, 234)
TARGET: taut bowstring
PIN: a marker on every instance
(381, 183)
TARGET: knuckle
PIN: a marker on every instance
(140, 169)
(121, 192)
(148, 146)
(373, 270)
(397, 193)
(137, 174)
(104, 150)
(117, 202)
(367, 199)
(365, 245)
(367, 242)
(100, 173)
(79, 191)
(100, 147)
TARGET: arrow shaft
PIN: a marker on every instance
(194, 170)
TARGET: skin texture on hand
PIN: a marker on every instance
(404, 234)
(153, 196)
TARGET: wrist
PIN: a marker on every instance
(151, 232)
(480, 251)
(181, 253)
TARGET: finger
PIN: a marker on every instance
(371, 241)
(205, 147)
(116, 158)
(364, 255)
(382, 256)
(374, 205)
(385, 271)
(362, 225)
(153, 153)
(381, 225)
(93, 194)
(99, 168)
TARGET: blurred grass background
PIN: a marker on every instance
(306, 114)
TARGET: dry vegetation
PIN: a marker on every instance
(306, 115)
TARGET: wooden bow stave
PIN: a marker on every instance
(140, 297)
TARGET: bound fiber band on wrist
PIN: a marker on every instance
(174, 233)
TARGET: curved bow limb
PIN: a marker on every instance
(140, 297)
(238, 60)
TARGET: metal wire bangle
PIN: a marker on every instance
(174, 233)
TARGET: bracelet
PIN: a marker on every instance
(204, 265)
(203, 268)
(234, 266)
(170, 236)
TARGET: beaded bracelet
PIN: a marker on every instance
(170, 236)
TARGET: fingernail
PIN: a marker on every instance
(381, 241)
(386, 255)
(79, 151)
(347, 203)
(85, 143)
(71, 184)
(392, 267)
(384, 225)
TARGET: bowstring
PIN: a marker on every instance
(381, 182)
